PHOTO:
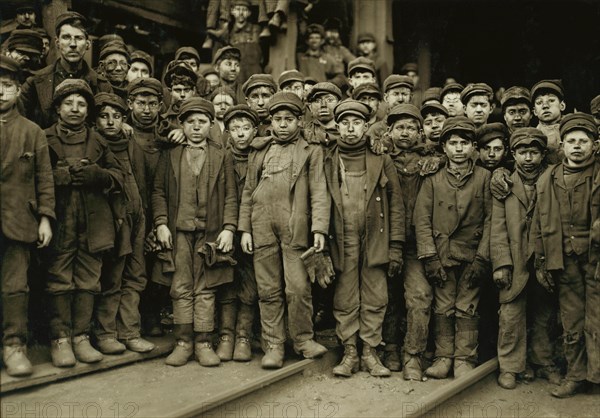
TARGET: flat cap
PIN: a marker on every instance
(433, 107)
(26, 40)
(196, 105)
(181, 69)
(228, 91)
(370, 89)
(42, 32)
(258, 80)
(25, 7)
(352, 107)
(141, 56)
(404, 110)
(238, 111)
(311, 81)
(322, 88)
(73, 86)
(285, 100)
(548, 86)
(365, 37)
(476, 89)
(361, 64)
(109, 37)
(595, 105)
(290, 76)
(315, 28)
(460, 124)
(409, 66)
(145, 85)
(432, 93)
(241, 3)
(114, 47)
(227, 51)
(187, 50)
(68, 18)
(528, 136)
(110, 99)
(516, 94)
(451, 88)
(490, 131)
(9, 65)
(395, 80)
(332, 23)
(578, 120)
(209, 71)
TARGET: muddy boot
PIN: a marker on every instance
(444, 347)
(59, 307)
(110, 346)
(62, 352)
(569, 388)
(83, 350)
(310, 349)
(350, 362)
(412, 367)
(16, 361)
(227, 321)
(82, 309)
(391, 357)
(466, 343)
(245, 318)
(184, 348)
(203, 349)
(273, 358)
(507, 380)
(370, 362)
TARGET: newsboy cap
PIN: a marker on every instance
(451, 88)
(290, 76)
(460, 124)
(68, 18)
(26, 40)
(365, 37)
(322, 88)
(179, 68)
(73, 86)
(315, 28)
(145, 85)
(114, 47)
(9, 65)
(227, 50)
(548, 86)
(515, 94)
(396, 80)
(408, 67)
(528, 136)
(404, 110)
(352, 107)
(475, 89)
(187, 50)
(432, 94)
(110, 99)
(578, 120)
(361, 63)
(258, 80)
(370, 89)
(433, 107)
(241, 110)
(109, 37)
(196, 105)
(490, 131)
(141, 56)
(286, 100)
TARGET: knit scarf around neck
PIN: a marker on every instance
(570, 169)
(118, 144)
(238, 155)
(142, 126)
(530, 178)
(291, 139)
(352, 149)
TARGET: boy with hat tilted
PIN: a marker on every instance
(322, 100)
(548, 105)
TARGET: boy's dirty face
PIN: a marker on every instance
(492, 154)
(458, 149)
(228, 70)
(222, 102)
(517, 115)
(405, 133)
(196, 127)
(578, 146)
(367, 47)
(361, 77)
(9, 93)
(181, 92)
(73, 110)
(144, 107)
(453, 104)
(397, 95)
(138, 69)
(242, 132)
(528, 157)
(432, 126)
(371, 101)
(296, 87)
(352, 129)
(478, 109)
(109, 121)
(322, 107)
(285, 124)
(548, 108)
(258, 99)
(115, 67)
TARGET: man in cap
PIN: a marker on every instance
(452, 219)
(450, 97)
(124, 274)
(315, 62)
(434, 115)
(292, 81)
(27, 202)
(361, 70)
(140, 67)
(522, 300)
(548, 105)
(369, 94)
(25, 46)
(366, 46)
(114, 65)
(284, 203)
(227, 63)
(72, 42)
(478, 105)
(322, 100)
(86, 174)
(566, 241)
(194, 203)
(26, 16)
(516, 107)
(258, 91)
(492, 146)
(361, 295)
(244, 35)
(45, 46)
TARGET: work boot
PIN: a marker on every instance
(466, 345)
(83, 350)
(391, 357)
(440, 368)
(225, 348)
(462, 367)
(412, 367)
(507, 380)
(228, 313)
(242, 350)
(350, 362)
(181, 353)
(243, 329)
(16, 361)
(370, 362)
(310, 349)
(443, 331)
(569, 388)
(276, 21)
(62, 352)
(110, 346)
(550, 373)
(205, 354)
(59, 312)
(139, 345)
(273, 358)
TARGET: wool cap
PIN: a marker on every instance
(404, 110)
(141, 56)
(9, 65)
(528, 136)
(227, 50)
(240, 3)
(68, 18)
(114, 47)
(458, 124)
(311, 81)
(222, 90)
(181, 69)
(315, 28)
(361, 63)
(433, 107)
(352, 107)
(365, 37)
(515, 94)
(451, 88)
(285, 100)
(196, 105)
(73, 86)
(26, 40)
(432, 93)
(25, 7)
(187, 50)
(109, 37)
(145, 85)
(290, 76)
(322, 88)
(475, 89)
(370, 89)
(239, 111)
(548, 86)
(110, 99)
(578, 120)
(409, 66)
(490, 131)
(395, 80)
(258, 80)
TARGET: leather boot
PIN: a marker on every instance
(412, 367)
(273, 358)
(444, 347)
(350, 362)
(227, 321)
(569, 388)
(466, 344)
(243, 347)
(507, 380)
(369, 362)
(184, 347)
(310, 349)
(14, 314)
(391, 357)
(83, 350)
(110, 346)
(204, 350)
(62, 352)
(16, 361)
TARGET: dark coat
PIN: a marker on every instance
(222, 206)
(454, 223)
(310, 199)
(26, 183)
(385, 219)
(98, 213)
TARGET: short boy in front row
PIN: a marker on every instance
(26, 208)
(566, 239)
(368, 226)
(194, 202)
(285, 209)
(452, 219)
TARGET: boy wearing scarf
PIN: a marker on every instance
(367, 237)
(566, 238)
(285, 209)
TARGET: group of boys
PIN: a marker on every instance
(233, 196)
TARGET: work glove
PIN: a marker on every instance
(396, 259)
(543, 276)
(90, 175)
(503, 278)
(429, 165)
(475, 272)
(62, 176)
(434, 271)
(500, 184)
(318, 266)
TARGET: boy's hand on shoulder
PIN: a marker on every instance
(176, 136)
(164, 237)
(246, 243)
(44, 232)
(225, 241)
(319, 242)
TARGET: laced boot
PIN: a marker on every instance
(350, 362)
(273, 358)
(412, 367)
(110, 346)
(16, 361)
(391, 357)
(444, 347)
(569, 388)
(83, 350)
(184, 347)
(440, 368)
(14, 315)
(466, 345)
(370, 362)
(227, 321)
(62, 352)
(507, 380)
(310, 349)
(205, 354)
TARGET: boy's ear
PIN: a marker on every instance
(562, 106)
(130, 103)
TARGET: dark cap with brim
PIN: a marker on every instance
(490, 131)
(548, 86)
(145, 85)
(395, 80)
(367, 89)
(288, 101)
(352, 107)
(10, 66)
(315, 28)
(290, 76)
(196, 105)
(451, 88)
(361, 64)
(579, 120)
(181, 69)
(110, 99)
(114, 47)
(516, 94)
(239, 111)
(433, 107)
(258, 80)
(458, 124)
(68, 18)
(322, 88)
(229, 50)
(365, 37)
(187, 50)
(528, 136)
(404, 110)
(476, 89)
(73, 86)
(432, 93)
(408, 67)
(144, 57)
(26, 40)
